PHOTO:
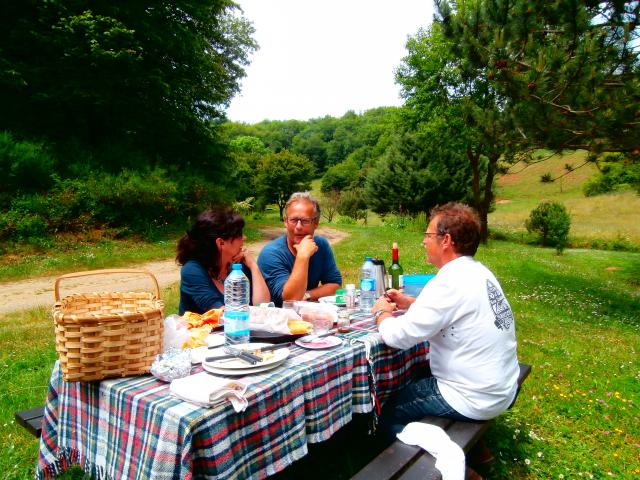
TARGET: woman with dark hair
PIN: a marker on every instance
(206, 253)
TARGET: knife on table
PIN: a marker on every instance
(262, 349)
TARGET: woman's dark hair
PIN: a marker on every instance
(199, 243)
(463, 225)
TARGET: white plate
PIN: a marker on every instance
(215, 340)
(279, 355)
(322, 343)
(242, 371)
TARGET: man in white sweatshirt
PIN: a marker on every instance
(465, 316)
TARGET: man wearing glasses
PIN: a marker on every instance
(464, 315)
(299, 265)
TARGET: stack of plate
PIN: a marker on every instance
(236, 366)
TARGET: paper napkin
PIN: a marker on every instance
(206, 390)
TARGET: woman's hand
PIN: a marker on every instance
(243, 256)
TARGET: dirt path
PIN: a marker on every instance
(36, 292)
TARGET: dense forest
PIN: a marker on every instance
(113, 115)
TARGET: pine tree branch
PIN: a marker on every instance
(569, 171)
(565, 108)
(528, 164)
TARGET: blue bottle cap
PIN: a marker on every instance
(236, 266)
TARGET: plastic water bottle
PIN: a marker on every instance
(350, 296)
(236, 306)
(367, 285)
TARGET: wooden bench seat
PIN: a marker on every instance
(31, 420)
(409, 462)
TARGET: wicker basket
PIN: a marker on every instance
(106, 335)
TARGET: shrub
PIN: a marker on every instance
(134, 200)
(546, 178)
(244, 207)
(616, 173)
(551, 221)
(26, 166)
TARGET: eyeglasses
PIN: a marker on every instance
(428, 234)
(304, 221)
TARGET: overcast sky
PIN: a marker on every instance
(325, 57)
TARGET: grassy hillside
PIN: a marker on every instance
(611, 219)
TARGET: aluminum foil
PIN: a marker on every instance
(172, 364)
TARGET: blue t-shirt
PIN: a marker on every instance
(276, 264)
(198, 293)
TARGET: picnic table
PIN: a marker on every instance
(134, 428)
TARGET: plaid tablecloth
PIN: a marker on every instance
(133, 428)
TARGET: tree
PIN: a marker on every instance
(281, 174)
(341, 176)
(135, 76)
(450, 97)
(330, 201)
(552, 222)
(246, 153)
(416, 173)
(568, 71)
(353, 205)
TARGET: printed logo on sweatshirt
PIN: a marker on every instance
(500, 307)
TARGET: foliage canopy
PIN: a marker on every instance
(568, 70)
(281, 174)
(146, 76)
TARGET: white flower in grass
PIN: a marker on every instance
(527, 461)
(539, 454)
(533, 435)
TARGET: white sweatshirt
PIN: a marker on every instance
(465, 316)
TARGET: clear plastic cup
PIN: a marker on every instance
(321, 321)
(290, 304)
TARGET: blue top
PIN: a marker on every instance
(198, 293)
(276, 263)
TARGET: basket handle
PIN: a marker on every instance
(104, 272)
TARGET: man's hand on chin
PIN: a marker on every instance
(306, 248)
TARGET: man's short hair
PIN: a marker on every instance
(461, 222)
(304, 197)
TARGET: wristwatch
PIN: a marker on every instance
(376, 314)
(307, 296)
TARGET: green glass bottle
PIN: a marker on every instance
(395, 269)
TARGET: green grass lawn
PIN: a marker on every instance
(577, 324)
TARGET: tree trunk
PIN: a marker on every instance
(488, 196)
(482, 198)
(478, 203)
